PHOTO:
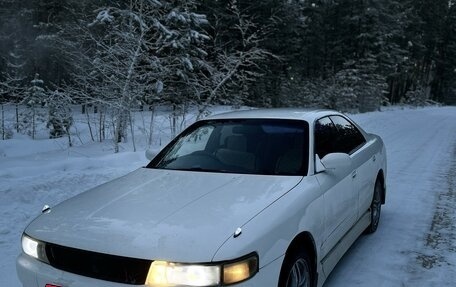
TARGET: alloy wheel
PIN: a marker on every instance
(299, 275)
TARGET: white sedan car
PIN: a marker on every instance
(257, 198)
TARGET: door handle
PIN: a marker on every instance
(374, 158)
(354, 174)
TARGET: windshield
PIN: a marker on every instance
(273, 147)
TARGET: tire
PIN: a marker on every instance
(375, 208)
(296, 271)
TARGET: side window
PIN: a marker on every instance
(349, 138)
(325, 137)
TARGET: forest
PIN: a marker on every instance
(117, 57)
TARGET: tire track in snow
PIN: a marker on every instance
(436, 262)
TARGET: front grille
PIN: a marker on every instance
(98, 265)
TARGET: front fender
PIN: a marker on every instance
(271, 231)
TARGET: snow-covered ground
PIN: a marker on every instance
(415, 244)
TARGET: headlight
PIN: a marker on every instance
(168, 274)
(34, 248)
(163, 273)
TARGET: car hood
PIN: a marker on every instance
(160, 214)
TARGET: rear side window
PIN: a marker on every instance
(348, 138)
(336, 134)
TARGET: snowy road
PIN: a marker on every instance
(414, 246)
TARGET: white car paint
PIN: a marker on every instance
(184, 216)
(155, 211)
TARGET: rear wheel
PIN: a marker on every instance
(296, 271)
(375, 208)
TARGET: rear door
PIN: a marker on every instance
(340, 197)
(352, 141)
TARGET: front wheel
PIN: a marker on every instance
(296, 271)
(375, 208)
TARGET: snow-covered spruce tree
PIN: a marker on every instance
(338, 96)
(11, 86)
(302, 92)
(5, 131)
(33, 114)
(2, 117)
(356, 87)
(416, 97)
(182, 54)
(12, 78)
(60, 116)
(378, 53)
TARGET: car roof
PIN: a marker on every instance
(308, 115)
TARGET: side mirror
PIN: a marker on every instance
(333, 161)
(150, 154)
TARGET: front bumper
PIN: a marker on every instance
(33, 273)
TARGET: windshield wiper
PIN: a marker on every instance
(164, 163)
(197, 168)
